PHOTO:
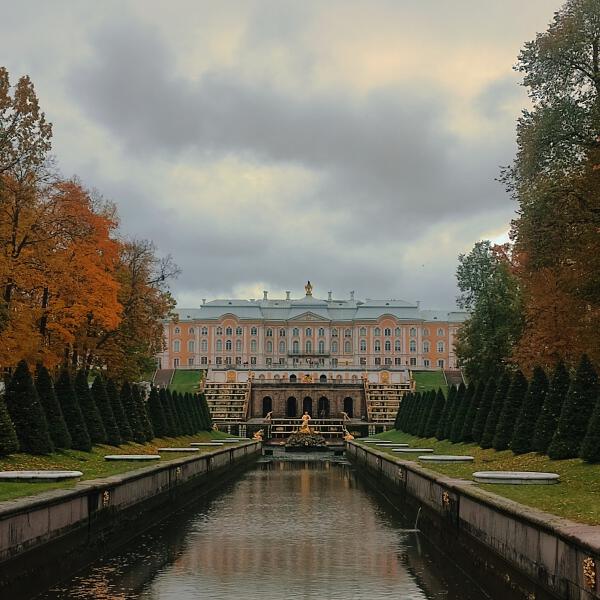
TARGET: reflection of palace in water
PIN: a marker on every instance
(327, 357)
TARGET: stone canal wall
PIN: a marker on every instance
(531, 554)
(47, 536)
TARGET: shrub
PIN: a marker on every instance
(131, 411)
(435, 414)
(121, 419)
(140, 402)
(466, 434)
(57, 427)
(72, 412)
(530, 411)
(510, 412)
(489, 431)
(156, 414)
(89, 410)
(168, 412)
(590, 448)
(441, 428)
(483, 410)
(9, 442)
(461, 412)
(460, 394)
(103, 403)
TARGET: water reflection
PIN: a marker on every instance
(284, 530)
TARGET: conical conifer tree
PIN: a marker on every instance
(407, 406)
(9, 442)
(428, 405)
(156, 414)
(483, 410)
(100, 396)
(590, 448)
(550, 413)
(27, 413)
(206, 411)
(168, 412)
(435, 414)
(57, 427)
(138, 396)
(576, 412)
(461, 414)
(131, 412)
(415, 418)
(174, 396)
(72, 413)
(118, 411)
(489, 431)
(510, 412)
(465, 435)
(441, 429)
(530, 411)
(89, 410)
(460, 394)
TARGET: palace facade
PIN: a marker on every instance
(333, 334)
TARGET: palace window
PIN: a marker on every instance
(321, 332)
(269, 346)
(363, 331)
(441, 363)
(204, 345)
(413, 361)
(219, 346)
(308, 332)
(348, 333)
(269, 362)
(269, 333)
(219, 360)
(308, 346)
(398, 361)
(229, 331)
(321, 347)
(425, 347)
(363, 345)
(387, 332)
(253, 360)
(253, 331)
(334, 346)
(282, 333)
(228, 360)
(203, 360)
(377, 346)
(348, 347)
(425, 331)
(413, 332)
(440, 346)
(397, 345)
(175, 363)
(397, 332)
(253, 345)
(238, 345)
(388, 361)
(412, 346)
(388, 346)
(296, 347)
(191, 331)
(440, 332)
(238, 331)
(334, 362)
(219, 330)
(191, 361)
(228, 345)
(377, 331)
(177, 330)
(191, 346)
(176, 346)
(281, 346)
(426, 362)
(363, 360)
(205, 331)
(334, 332)
(377, 360)
(296, 331)
(238, 360)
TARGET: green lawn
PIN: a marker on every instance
(185, 380)
(576, 497)
(429, 380)
(92, 464)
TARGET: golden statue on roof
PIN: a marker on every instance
(308, 289)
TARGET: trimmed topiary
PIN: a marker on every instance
(138, 397)
(206, 412)
(590, 448)
(27, 413)
(466, 434)
(489, 431)
(168, 412)
(176, 413)
(72, 412)
(427, 406)
(435, 414)
(441, 428)
(454, 408)
(510, 412)
(89, 410)
(102, 401)
(131, 412)
(460, 414)
(530, 411)
(483, 410)
(547, 421)
(156, 414)
(9, 442)
(576, 412)
(57, 427)
(121, 420)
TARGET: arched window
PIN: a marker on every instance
(425, 330)
(205, 331)
(238, 345)
(440, 332)
(425, 346)
(253, 331)
(219, 330)
(397, 332)
(308, 346)
(191, 331)
(308, 332)
(387, 332)
(219, 346)
(321, 347)
(296, 331)
(296, 347)
(348, 346)
(204, 345)
(412, 345)
(397, 346)
(363, 331)
(269, 333)
(252, 345)
(388, 346)
(176, 345)
(363, 345)
(377, 346)
(228, 345)
(267, 406)
(177, 330)
(334, 332)
(334, 346)
(282, 333)
(440, 346)
(348, 333)
(321, 331)
(377, 331)
(269, 346)
(229, 331)
(281, 346)
(238, 331)
(191, 346)
(413, 331)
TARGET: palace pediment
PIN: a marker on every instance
(309, 315)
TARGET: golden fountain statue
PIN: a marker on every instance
(304, 428)
(258, 435)
(308, 289)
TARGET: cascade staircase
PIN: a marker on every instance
(163, 377)
(328, 428)
(454, 377)
(383, 400)
(227, 402)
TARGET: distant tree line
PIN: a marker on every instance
(559, 416)
(38, 415)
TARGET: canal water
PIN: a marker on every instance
(284, 530)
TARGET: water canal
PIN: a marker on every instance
(283, 530)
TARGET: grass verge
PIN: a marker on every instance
(576, 497)
(186, 380)
(429, 380)
(91, 464)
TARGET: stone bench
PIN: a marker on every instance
(38, 476)
(407, 450)
(446, 458)
(516, 477)
(132, 457)
(207, 444)
(159, 450)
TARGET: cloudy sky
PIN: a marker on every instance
(263, 143)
